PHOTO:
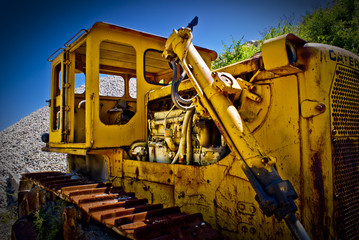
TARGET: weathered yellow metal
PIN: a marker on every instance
(104, 49)
(220, 108)
(290, 102)
(279, 53)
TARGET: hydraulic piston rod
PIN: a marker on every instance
(274, 195)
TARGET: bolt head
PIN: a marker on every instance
(265, 160)
(242, 207)
(320, 107)
(252, 209)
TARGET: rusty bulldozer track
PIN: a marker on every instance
(121, 211)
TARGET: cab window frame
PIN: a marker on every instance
(144, 67)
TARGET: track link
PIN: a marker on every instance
(122, 211)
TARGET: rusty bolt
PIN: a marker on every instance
(241, 207)
(265, 160)
(252, 230)
(321, 107)
(252, 209)
(244, 229)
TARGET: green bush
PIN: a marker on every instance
(337, 24)
(236, 52)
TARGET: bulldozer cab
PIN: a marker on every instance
(98, 87)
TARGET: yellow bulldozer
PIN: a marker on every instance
(265, 148)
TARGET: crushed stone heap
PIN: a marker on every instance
(20, 148)
(20, 144)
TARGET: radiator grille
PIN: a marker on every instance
(345, 125)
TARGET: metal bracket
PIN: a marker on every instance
(226, 83)
(312, 108)
(248, 90)
(199, 107)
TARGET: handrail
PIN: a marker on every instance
(69, 42)
(55, 53)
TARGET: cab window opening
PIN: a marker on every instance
(117, 83)
(157, 68)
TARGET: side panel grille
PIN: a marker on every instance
(345, 102)
(345, 126)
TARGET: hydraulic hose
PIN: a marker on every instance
(189, 151)
(182, 145)
(274, 195)
(177, 83)
(176, 98)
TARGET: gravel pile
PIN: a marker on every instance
(20, 144)
(20, 148)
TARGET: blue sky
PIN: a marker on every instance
(32, 30)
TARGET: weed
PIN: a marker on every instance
(8, 215)
(48, 220)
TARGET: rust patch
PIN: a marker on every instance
(318, 180)
(137, 173)
(320, 206)
(121, 211)
(305, 54)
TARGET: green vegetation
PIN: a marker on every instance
(337, 25)
(8, 215)
(235, 52)
(48, 221)
(283, 27)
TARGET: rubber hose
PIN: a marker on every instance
(182, 145)
(189, 152)
(174, 89)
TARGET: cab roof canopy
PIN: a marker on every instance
(81, 35)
